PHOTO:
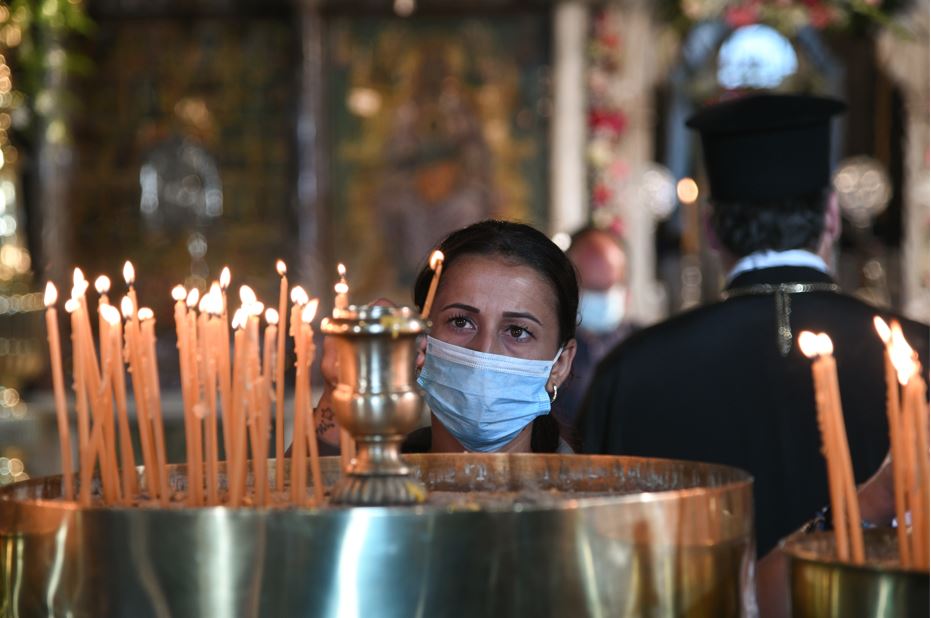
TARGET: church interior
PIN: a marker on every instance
(164, 144)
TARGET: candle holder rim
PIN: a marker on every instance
(374, 320)
(803, 547)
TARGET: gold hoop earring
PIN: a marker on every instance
(555, 393)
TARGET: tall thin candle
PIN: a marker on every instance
(436, 264)
(896, 437)
(269, 370)
(127, 456)
(279, 377)
(58, 385)
(307, 316)
(147, 318)
(137, 373)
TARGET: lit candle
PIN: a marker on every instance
(207, 322)
(197, 410)
(846, 509)
(436, 264)
(80, 392)
(269, 369)
(127, 456)
(137, 374)
(307, 316)
(238, 458)
(894, 416)
(104, 411)
(301, 394)
(222, 353)
(102, 285)
(279, 377)
(179, 294)
(129, 276)
(341, 288)
(913, 428)
(150, 361)
(253, 402)
(97, 391)
(58, 385)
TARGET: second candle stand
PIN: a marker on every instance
(377, 400)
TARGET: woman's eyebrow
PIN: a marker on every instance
(518, 314)
(462, 306)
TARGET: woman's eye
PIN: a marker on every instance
(519, 332)
(459, 321)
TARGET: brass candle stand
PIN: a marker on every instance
(377, 400)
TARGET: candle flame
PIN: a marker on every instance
(129, 273)
(102, 284)
(808, 343)
(436, 259)
(77, 277)
(146, 314)
(71, 305)
(271, 316)
(247, 295)
(178, 293)
(825, 345)
(215, 306)
(298, 295)
(255, 309)
(225, 277)
(79, 289)
(281, 267)
(204, 306)
(341, 270)
(126, 307)
(309, 311)
(904, 358)
(341, 288)
(882, 329)
(192, 297)
(51, 294)
(239, 318)
(110, 314)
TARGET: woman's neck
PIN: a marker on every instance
(441, 441)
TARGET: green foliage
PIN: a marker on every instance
(38, 39)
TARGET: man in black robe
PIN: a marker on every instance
(726, 383)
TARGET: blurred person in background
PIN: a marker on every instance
(600, 260)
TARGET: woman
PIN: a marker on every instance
(501, 345)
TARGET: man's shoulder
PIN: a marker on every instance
(673, 331)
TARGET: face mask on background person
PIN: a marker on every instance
(602, 311)
(484, 400)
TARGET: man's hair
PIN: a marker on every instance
(591, 230)
(779, 225)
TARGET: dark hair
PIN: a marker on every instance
(779, 225)
(521, 244)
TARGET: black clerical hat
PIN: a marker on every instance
(767, 146)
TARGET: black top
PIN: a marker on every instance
(710, 385)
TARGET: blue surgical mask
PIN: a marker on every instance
(602, 311)
(484, 400)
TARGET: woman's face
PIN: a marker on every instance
(489, 305)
